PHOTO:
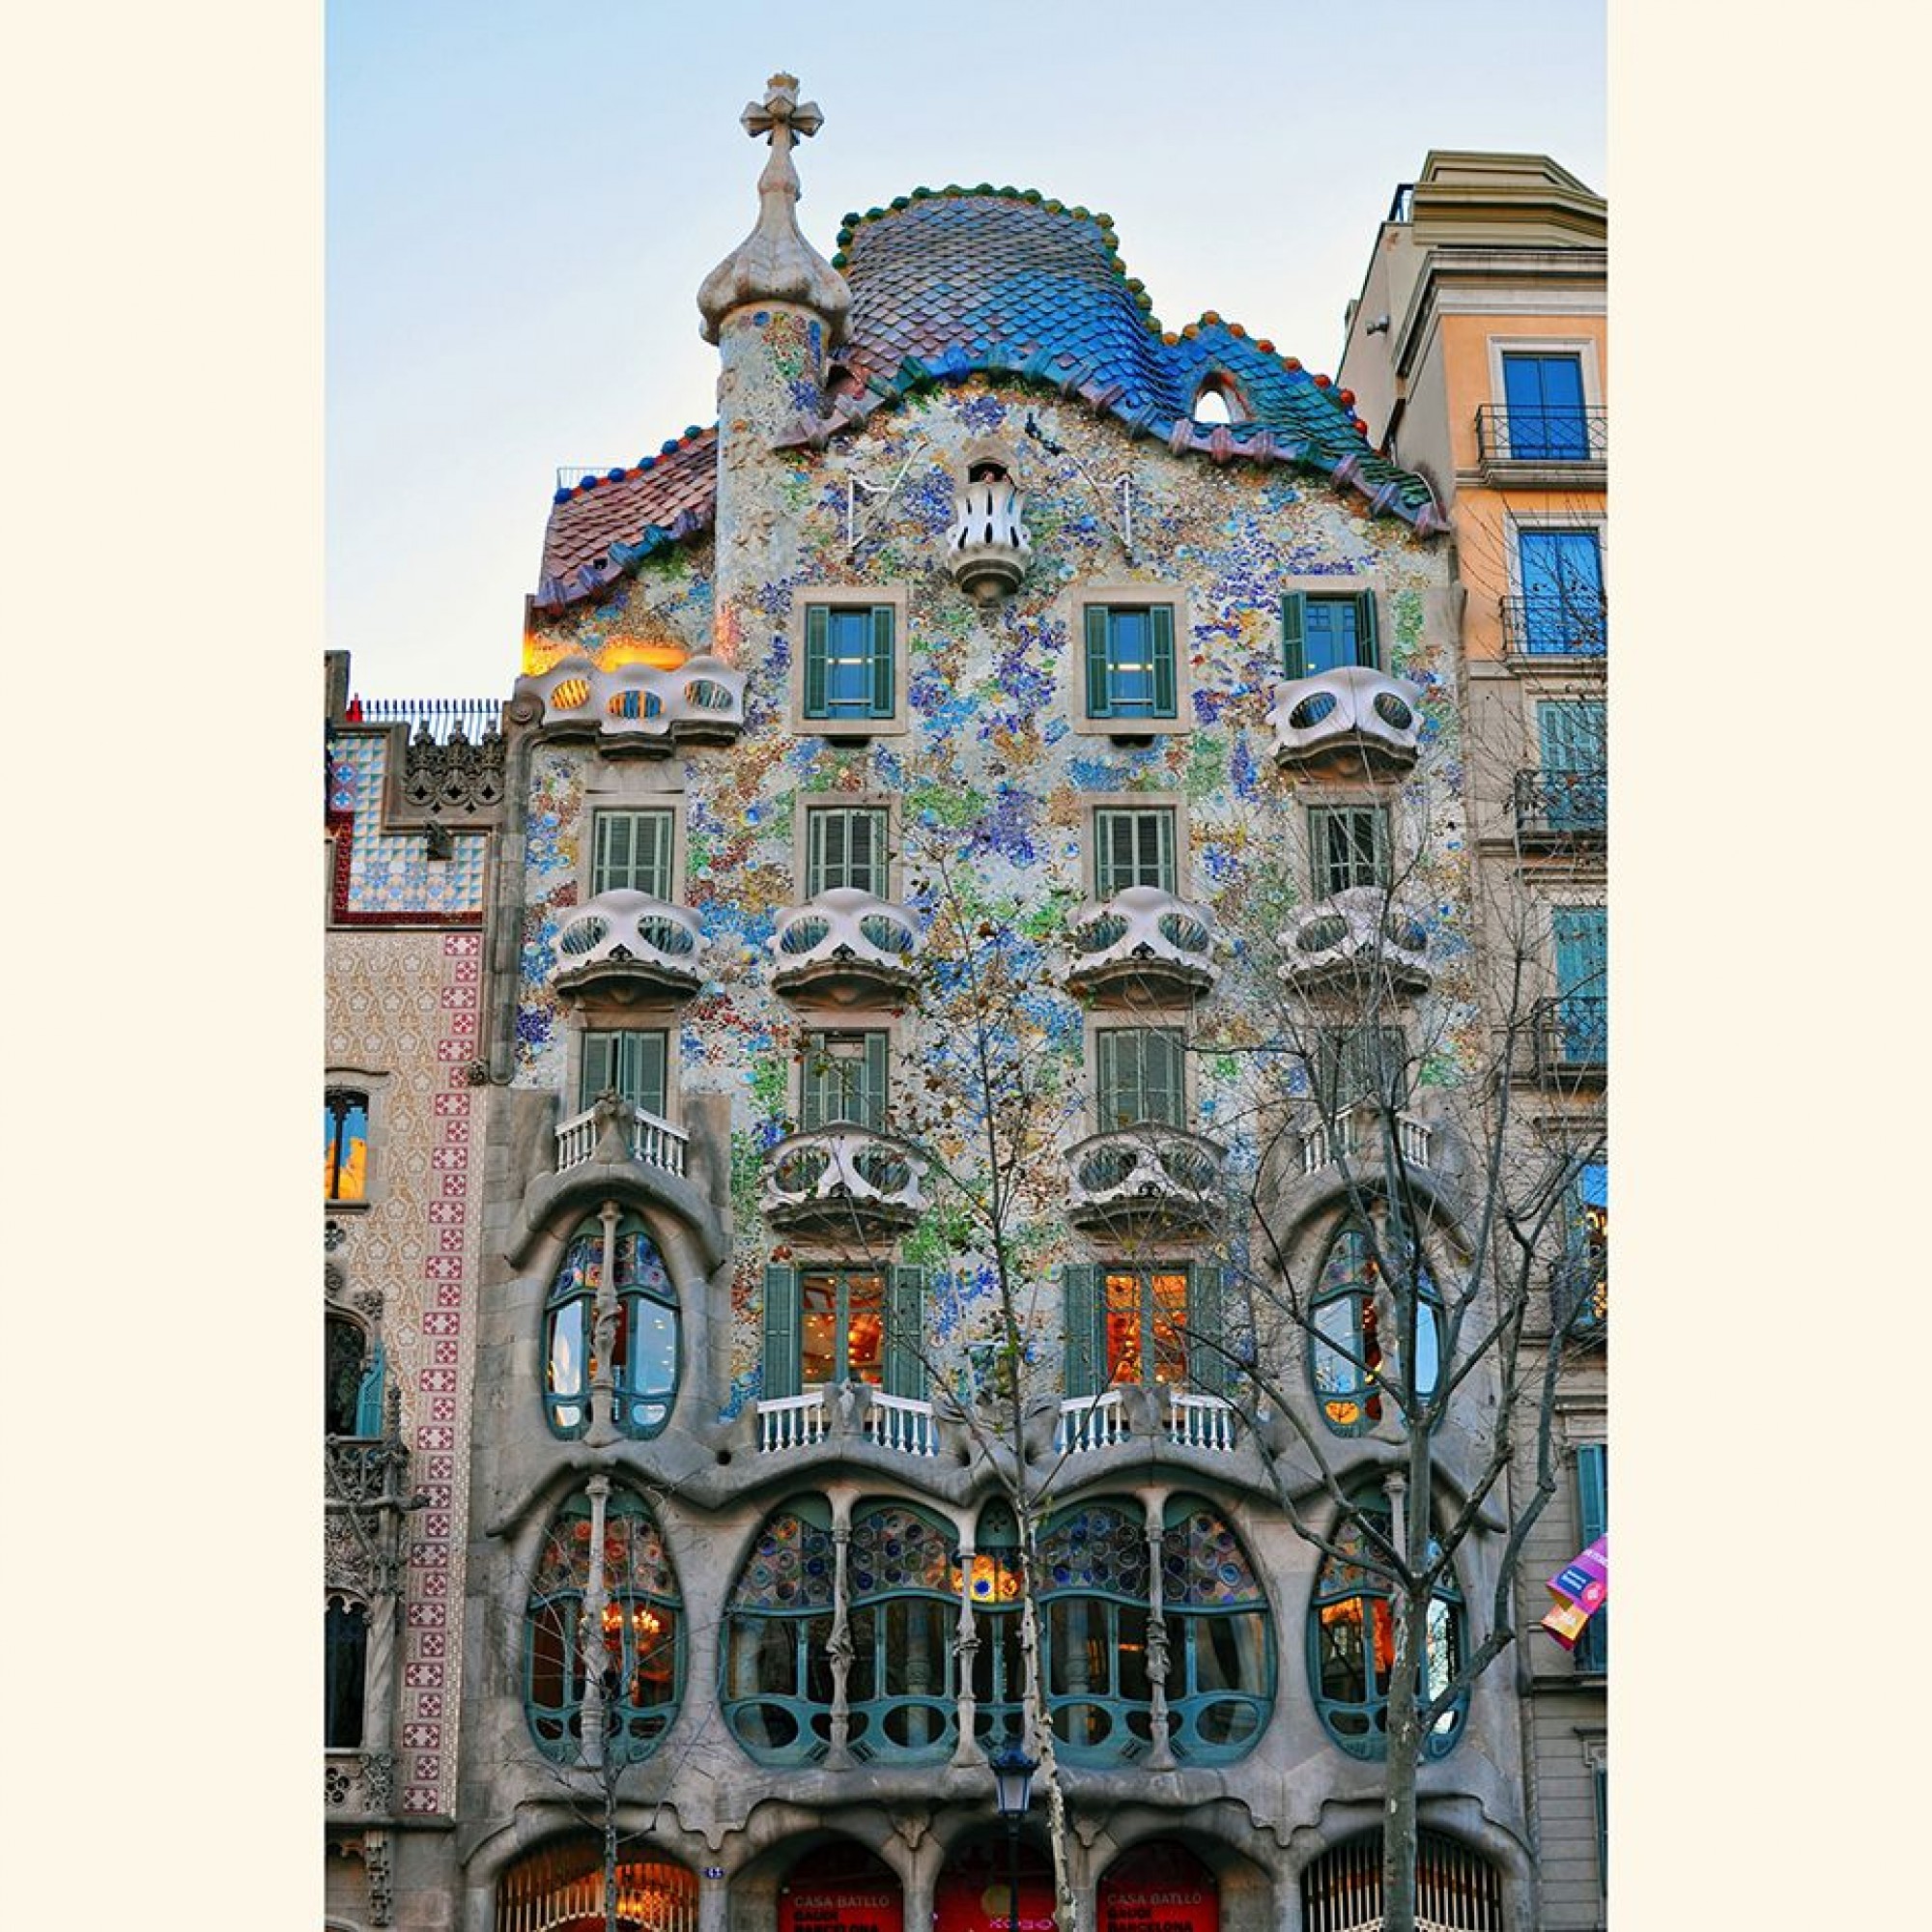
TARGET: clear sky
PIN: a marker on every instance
(523, 199)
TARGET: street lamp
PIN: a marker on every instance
(1012, 1794)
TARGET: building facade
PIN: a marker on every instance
(977, 985)
(1479, 351)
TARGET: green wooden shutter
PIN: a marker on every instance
(816, 618)
(1368, 640)
(640, 1077)
(781, 1322)
(1294, 661)
(1208, 1302)
(905, 1333)
(823, 851)
(1086, 1342)
(369, 1396)
(815, 1089)
(1592, 1513)
(1166, 873)
(598, 1072)
(875, 1082)
(866, 851)
(1099, 686)
(610, 852)
(654, 870)
(1109, 1100)
(882, 661)
(1160, 621)
(1163, 1078)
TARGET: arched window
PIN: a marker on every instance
(561, 1886)
(903, 1568)
(641, 1655)
(345, 1654)
(342, 1373)
(645, 1348)
(777, 1676)
(1456, 1887)
(1095, 1595)
(995, 1587)
(1346, 1355)
(1220, 1674)
(1351, 1643)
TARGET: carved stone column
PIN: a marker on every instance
(602, 1393)
(839, 1648)
(590, 1637)
(1160, 1754)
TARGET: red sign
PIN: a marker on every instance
(1158, 1888)
(840, 1888)
(973, 1893)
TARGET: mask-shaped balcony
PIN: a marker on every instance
(843, 1180)
(1142, 946)
(628, 944)
(845, 948)
(637, 706)
(1144, 1179)
(987, 548)
(1359, 938)
(1345, 718)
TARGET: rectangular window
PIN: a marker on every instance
(1571, 746)
(1130, 671)
(1349, 847)
(1583, 1008)
(1593, 1520)
(1140, 1078)
(631, 1063)
(1322, 631)
(844, 1324)
(345, 1145)
(843, 1330)
(1146, 1327)
(1133, 846)
(1586, 1248)
(1357, 1063)
(1543, 396)
(846, 1081)
(846, 847)
(1562, 577)
(632, 851)
(848, 660)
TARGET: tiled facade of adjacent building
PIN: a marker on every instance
(991, 687)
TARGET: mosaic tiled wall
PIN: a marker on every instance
(388, 876)
(994, 773)
(406, 1006)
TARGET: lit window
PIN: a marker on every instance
(345, 1145)
(828, 1326)
(1130, 669)
(1324, 630)
(641, 1632)
(1133, 846)
(1146, 1327)
(645, 1337)
(846, 847)
(999, 1665)
(1351, 1641)
(1220, 1678)
(848, 662)
(1348, 1353)
(902, 1567)
(632, 851)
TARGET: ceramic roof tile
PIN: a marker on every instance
(586, 524)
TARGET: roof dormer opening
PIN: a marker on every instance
(1218, 401)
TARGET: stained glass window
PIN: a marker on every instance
(644, 1339)
(345, 1642)
(776, 1673)
(642, 1629)
(1098, 1693)
(903, 1572)
(1220, 1679)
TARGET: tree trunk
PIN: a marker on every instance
(1405, 1750)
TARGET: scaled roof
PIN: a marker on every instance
(949, 283)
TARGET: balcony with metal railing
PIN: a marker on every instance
(1555, 808)
(1572, 623)
(1571, 1035)
(1570, 441)
(627, 942)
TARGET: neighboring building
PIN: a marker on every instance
(1478, 352)
(1010, 727)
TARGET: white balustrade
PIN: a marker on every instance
(792, 1421)
(1091, 1422)
(1201, 1421)
(1356, 1133)
(897, 1422)
(653, 1142)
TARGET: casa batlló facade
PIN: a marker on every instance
(858, 957)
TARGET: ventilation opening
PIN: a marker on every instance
(1218, 401)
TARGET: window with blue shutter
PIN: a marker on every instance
(849, 668)
(1583, 1008)
(1543, 396)
(1130, 666)
(1570, 735)
(1593, 1520)
(1321, 631)
(369, 1395)
(1562, 578)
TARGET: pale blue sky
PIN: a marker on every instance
(522, 200)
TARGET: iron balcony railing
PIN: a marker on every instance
(1542, 436)
(1562, 806)
(1573, 1034)
(1569, 623)
(437, 716)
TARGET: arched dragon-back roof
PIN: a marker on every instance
(954, 282)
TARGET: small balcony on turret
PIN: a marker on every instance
(1356, 940)
(643, 1137)
(629, 945)
(1143, 1179)
(1142, 947)
(988, 548)
(1343, 718)
(845, 948)
(636, 707)
(843, 1180)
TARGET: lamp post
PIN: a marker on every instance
(1012, 1794)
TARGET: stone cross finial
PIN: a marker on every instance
(781, 108)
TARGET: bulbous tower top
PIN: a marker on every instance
(774, 262)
